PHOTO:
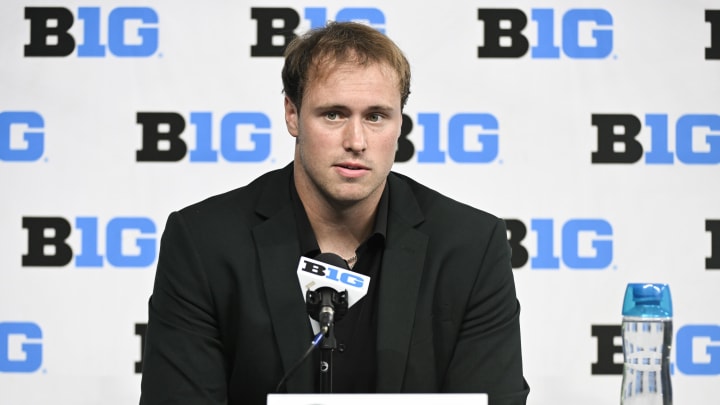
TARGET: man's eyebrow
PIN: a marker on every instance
(377, 107)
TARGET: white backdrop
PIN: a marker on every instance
(71, 324)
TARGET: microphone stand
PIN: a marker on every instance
(326, 306)
(328, 344)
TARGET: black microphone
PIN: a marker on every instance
(344, 286)
(325, 304)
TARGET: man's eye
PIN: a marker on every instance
(331, 115)
(374, 117)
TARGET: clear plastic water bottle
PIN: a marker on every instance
(647, 336)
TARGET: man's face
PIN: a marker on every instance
(346, 133)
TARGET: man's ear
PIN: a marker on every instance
(292, 117)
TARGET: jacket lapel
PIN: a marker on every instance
(279, 252)
(400, 277)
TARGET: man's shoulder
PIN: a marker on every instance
(242, 199)
(435, 205)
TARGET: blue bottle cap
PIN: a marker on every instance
(647, 300)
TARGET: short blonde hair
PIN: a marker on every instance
(340, 42)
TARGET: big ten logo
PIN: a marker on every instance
(333, 274)
(161, 140)
(697, 350)
(128, 31)
(22, 138)
(471, 138)
(697, 139)
(20, 347)
(276, 26)
(128, 242)
(584, 244)
(713, 51)
(584, 33)
(713, 262)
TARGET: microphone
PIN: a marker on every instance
(330, 288)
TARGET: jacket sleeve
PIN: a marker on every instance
(183, 356)
(487, 356)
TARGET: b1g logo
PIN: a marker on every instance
(713, 17)
(131, 31)
(585, 244)
(276, 26)
(21, 136)
(617, 143)
(20, 347)
(585, 33)
(161, 140)
(471, 138)
(697, 349)
(129, 242)
(332, 273)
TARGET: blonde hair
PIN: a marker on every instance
(340, 42)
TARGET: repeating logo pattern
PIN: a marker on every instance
(600, 152)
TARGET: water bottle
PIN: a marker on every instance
(646, 338)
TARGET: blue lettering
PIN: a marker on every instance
(203, 151)
(352, 280)
(372, 16)
(32, 350)
(35, 140)
(117, 20)
(685, 338)
(660, 153)
(332, 273)
(545, 258)
(317, 16)
(261, 140)
(116, 34)
(91, 45)
(431, 152)
(571, 34)
(146, 246)
(89, 256)
(571, 251)
(456, 138)
(545, 48)
(684, 133)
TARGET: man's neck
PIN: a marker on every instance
(338, 228)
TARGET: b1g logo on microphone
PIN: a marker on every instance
(697, 350)
(131, 31)
(276, 26)
(22, 138)
(332, 273)
(161, 141)
(697, 139)
(584, 33)
(471, 138)
(20, 347)
(313, 274)
(713, 17)
(585, 244)
(129, 242)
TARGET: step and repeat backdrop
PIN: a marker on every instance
(591, 127)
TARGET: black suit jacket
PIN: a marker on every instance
(227, 317)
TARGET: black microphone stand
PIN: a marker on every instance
(327, 306)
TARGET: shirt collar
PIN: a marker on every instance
(308, 243)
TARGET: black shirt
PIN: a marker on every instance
(354, 362)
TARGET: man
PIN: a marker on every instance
(227, 319)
